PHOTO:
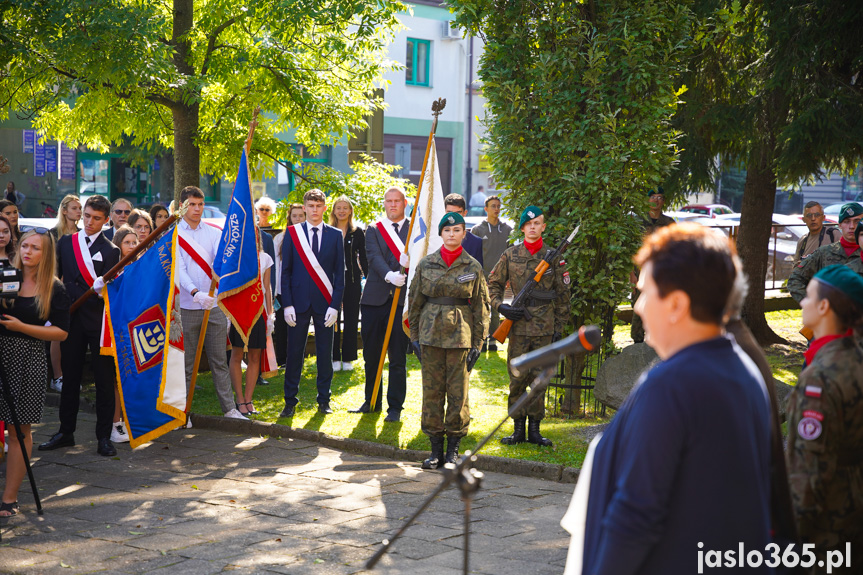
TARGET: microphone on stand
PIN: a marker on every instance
(585, 340)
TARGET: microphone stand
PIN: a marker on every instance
(466, 478)
(7, 397)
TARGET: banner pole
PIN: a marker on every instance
(213, 283)
(437, 108)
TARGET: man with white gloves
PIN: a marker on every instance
(194, 272)
(385, 241)
(313, 282)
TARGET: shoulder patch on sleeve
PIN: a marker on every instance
(566, 279)
(809, 428)
(813, 391)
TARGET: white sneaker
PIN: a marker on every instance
(57, 384)
(337, 366)
(347, 366)
(118, 433)
(235, 414)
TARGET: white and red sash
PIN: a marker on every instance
(391, 238)
(310, 260)
(88, 272)
(196, 252)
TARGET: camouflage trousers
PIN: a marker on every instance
(519, 345)
(445, 379)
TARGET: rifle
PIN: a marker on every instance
(501, 333)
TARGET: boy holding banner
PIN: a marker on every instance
(313, 282)
(82, 260)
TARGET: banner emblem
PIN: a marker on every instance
(148, 338)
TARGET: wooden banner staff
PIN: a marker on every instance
(213, 283)
(437, 109)
(112, 273)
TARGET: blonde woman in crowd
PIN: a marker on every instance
(67, 224)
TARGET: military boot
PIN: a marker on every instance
(533, 434)
(435, 460)
(517, 433)
(452, 448)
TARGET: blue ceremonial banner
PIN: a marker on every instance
(142, 305)
(236, 264)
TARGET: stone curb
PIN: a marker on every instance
(522, 467)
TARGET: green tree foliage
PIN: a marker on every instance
(774, 87)
(187, 75)
(580, 97)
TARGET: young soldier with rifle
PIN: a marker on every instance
(536, 316)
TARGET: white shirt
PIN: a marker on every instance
(320, 228)
(277, 244)
(401, 223)
(190, 274)
(92, 238)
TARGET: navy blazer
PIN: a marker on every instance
(68, 271)
(473, 246)
(381, 261)
(298, 287)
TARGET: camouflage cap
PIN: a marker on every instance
(657, 190)
(529, 213)
(844, 279)
(449, 219)
(850, 210)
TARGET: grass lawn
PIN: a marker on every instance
(488, 393)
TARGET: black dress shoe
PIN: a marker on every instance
(324, 408)
(262, 381)
(106, 448)
(288, 411)
(58, 440)
(364, 408)
(393, 416)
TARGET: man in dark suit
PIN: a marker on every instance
(120, 211)
(313, 282)
(472, 244)
(82, 259)
(383, 240)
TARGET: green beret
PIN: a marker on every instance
(844, 279)
(449, 219)
(850, 210)
(529, 213)
(658, 190)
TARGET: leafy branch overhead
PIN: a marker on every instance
(190, 73)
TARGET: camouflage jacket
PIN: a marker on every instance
(516, 266)
(650, 226)
(448, 325)
(825, 444)
(808, 267)
(856, 264)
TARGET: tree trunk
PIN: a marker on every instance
(166, 178)
(187, 157)
(756, 219)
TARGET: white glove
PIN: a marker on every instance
(204, 300)
(331, 317)
(404, 260)
(271, 324)
(290, 316)
(395, 278)
(98, 285)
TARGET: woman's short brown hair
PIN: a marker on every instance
(695, 260)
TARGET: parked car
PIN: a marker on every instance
(708, 210)
(832, 211)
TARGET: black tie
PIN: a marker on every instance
(89, 241)
(315, 240)
(396, 228)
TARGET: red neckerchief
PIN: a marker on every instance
(449, 256)
(816, 345)
(533, 247)
(849, 247)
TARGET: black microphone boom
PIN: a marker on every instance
(585, 340)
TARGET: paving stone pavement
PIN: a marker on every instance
(201, 501)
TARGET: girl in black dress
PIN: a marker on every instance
(356, 264)
(40, 313)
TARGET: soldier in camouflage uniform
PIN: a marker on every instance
(655, 220)
(548, 313)
(448, 317)
(825, 419)
(842, 252)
